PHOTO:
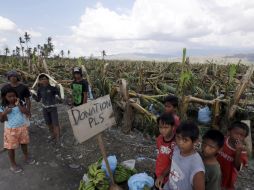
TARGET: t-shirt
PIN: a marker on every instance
(165, 152)
(226, 159)
(22, 91)
(183, 170)
(47, 94)
(78, 89)
(212, 177)
(15, 118)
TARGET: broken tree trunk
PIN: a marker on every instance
(239, 91)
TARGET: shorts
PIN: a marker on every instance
(13, 137)
(51, 116)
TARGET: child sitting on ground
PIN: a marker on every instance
(233, 155)
(48, 94)
(212, 143)
(170, 106)
(16, 131)
(187, 168)
(165, 144)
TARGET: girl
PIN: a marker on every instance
(16, 130)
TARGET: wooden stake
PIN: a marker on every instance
(104, 155)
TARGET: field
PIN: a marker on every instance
(137, 90)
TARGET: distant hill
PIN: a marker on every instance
(249, 56)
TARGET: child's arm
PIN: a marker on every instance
(3, 115)
(23, 109)
(199, 181)
(239, 148)
(159, 181)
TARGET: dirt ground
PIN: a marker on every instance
(62, 168)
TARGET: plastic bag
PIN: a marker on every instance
(204, 115)
(139, 181)
(112, 164)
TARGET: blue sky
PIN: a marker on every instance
(131, 26)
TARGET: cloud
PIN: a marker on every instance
(162, 26)
(6, 24)
(33, 33)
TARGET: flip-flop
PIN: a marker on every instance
(30, 161)
(16, 169)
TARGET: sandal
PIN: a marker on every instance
(16, 169)
(30, 161)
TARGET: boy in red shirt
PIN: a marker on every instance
(233, 155)
(170, 106)
(165, 144)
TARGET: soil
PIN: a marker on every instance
(63, 167)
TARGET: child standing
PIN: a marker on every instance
(233, 155)
(170, 106)
(212, 143)
(48, 94)
(165, 145)
(79, 87)
(16, 130)
(187, 169)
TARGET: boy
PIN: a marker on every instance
(187, 169)
(79, 87)
(212, 143)
(165, 144)
(233, 155)
(48, 94)
(170, 106)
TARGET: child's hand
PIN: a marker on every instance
(159, 182)
(17, 102)
(239, 146)
(8, 110)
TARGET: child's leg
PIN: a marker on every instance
(55, 122)
(25, 151)
(48, 121)
(11, 154)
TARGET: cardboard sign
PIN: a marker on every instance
(89, 119)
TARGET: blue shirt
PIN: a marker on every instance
(15, 118)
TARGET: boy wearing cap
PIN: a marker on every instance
(20, 88)
(79, 87)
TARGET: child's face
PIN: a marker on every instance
(185, 144)
(165, 129)
(237, 134)
(77, 76)
(44, 81)
(209, 148)
(11, 97)
(169, 108)
(13, 79)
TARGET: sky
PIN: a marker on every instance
(85, 27)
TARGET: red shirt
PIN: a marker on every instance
(226, 159)
(165, 153)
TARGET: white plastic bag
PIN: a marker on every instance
(138, 181)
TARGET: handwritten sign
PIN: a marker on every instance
(89, 119)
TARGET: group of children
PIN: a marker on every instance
(15, 111)
(181, 166)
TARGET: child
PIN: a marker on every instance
(16, 130)
(165, 144)
(79, 88)
(48, 94)
(233, 155)
(187, 169)
(170, 106)
(212, 143)
(20, 88)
